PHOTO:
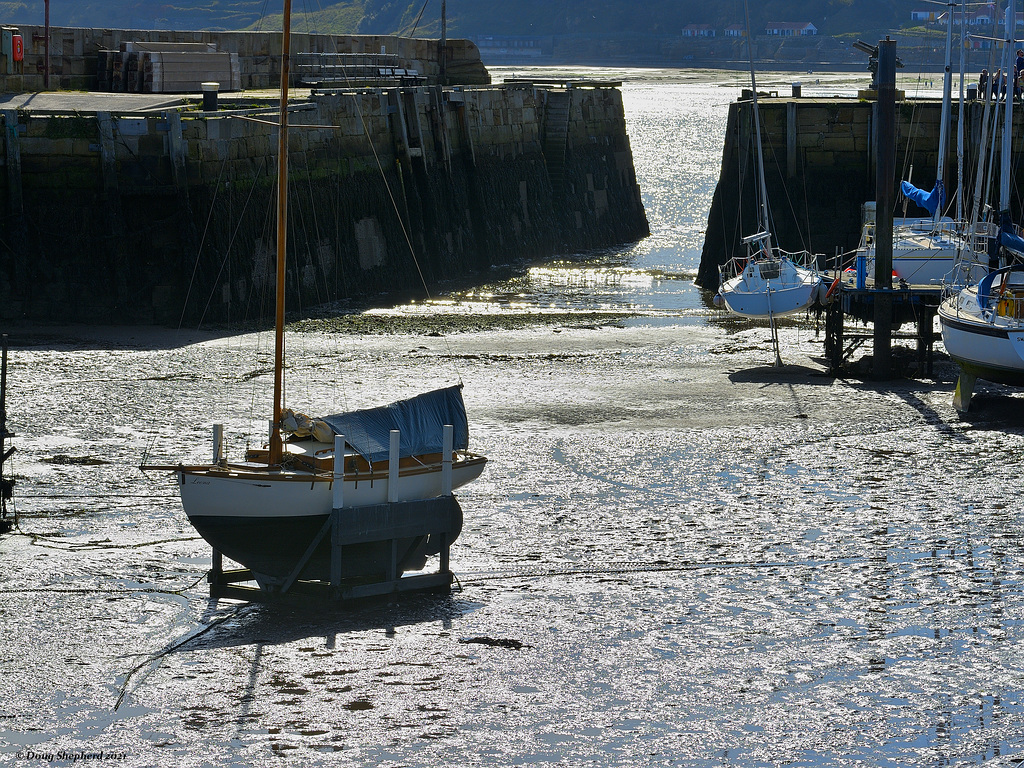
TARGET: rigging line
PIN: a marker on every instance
(175, 646)
(95, 496)
(199, 251)
(101, 591)
(72, 547)
(231, 242)
(262, 16)
(401, 224)
(805, 244)
(626, 568)
(417, 22)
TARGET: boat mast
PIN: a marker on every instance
(1004, 169)
(960, 118)
(947, 87)
(765, 227)
(282, 238)
(984, 153)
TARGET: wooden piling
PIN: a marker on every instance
(884, 182)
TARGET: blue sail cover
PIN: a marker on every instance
(1011, 241)
(930, 201)
(420, 419)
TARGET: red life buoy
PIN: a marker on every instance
(831, 288)
(17, 48)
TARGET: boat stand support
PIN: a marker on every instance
(389, 522)
(438, 520)
(964, 391)
(840, 344)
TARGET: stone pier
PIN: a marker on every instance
(167, 215)
(820, 168)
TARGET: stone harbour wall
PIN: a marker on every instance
(169, 217)
(74, 54)
(820, 168)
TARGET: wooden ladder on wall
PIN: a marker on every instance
(556, 135)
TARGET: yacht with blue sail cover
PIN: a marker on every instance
(983, 324)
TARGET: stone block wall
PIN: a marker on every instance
(164, 217)
(74, 53)
(820, 168)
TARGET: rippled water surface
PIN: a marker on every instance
(677, 555)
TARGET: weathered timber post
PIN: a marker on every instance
(884, 181)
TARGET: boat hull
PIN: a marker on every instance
(770, 288)
(266, 521)
(272, 547)
(938, 267)
(984, 350)
(771, 302)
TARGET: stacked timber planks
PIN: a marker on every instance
(168, 68)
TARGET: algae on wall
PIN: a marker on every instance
(169, 218)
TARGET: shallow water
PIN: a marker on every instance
(677, 555)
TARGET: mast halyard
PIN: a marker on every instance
(947, 87)
(276, 448)
(762, 187)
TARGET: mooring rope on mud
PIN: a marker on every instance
(610, 569)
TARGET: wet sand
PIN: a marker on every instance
(678, 555)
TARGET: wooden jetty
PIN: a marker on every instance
(825, 158)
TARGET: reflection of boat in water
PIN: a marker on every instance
(379, 480)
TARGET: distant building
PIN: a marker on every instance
(698, 30)
(920, 15)
(790, 29)
(513, 47)
(982, 17)
(736, 30)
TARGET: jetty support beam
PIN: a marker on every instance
(885, 176)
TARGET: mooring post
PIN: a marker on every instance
(218, 443)
(393, 466)
(447, 442)
(885, 179)
(338, 478)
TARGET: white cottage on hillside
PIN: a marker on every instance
(790, 29)
(698, 30)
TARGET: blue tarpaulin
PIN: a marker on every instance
(420, 419)
(930, 201)
(1011, 241)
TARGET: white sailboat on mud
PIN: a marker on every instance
(390, 467)
(983, 325)
(767, 282)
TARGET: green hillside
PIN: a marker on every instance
(471, 17)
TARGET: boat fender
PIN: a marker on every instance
(719, 300)
(831, 290)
